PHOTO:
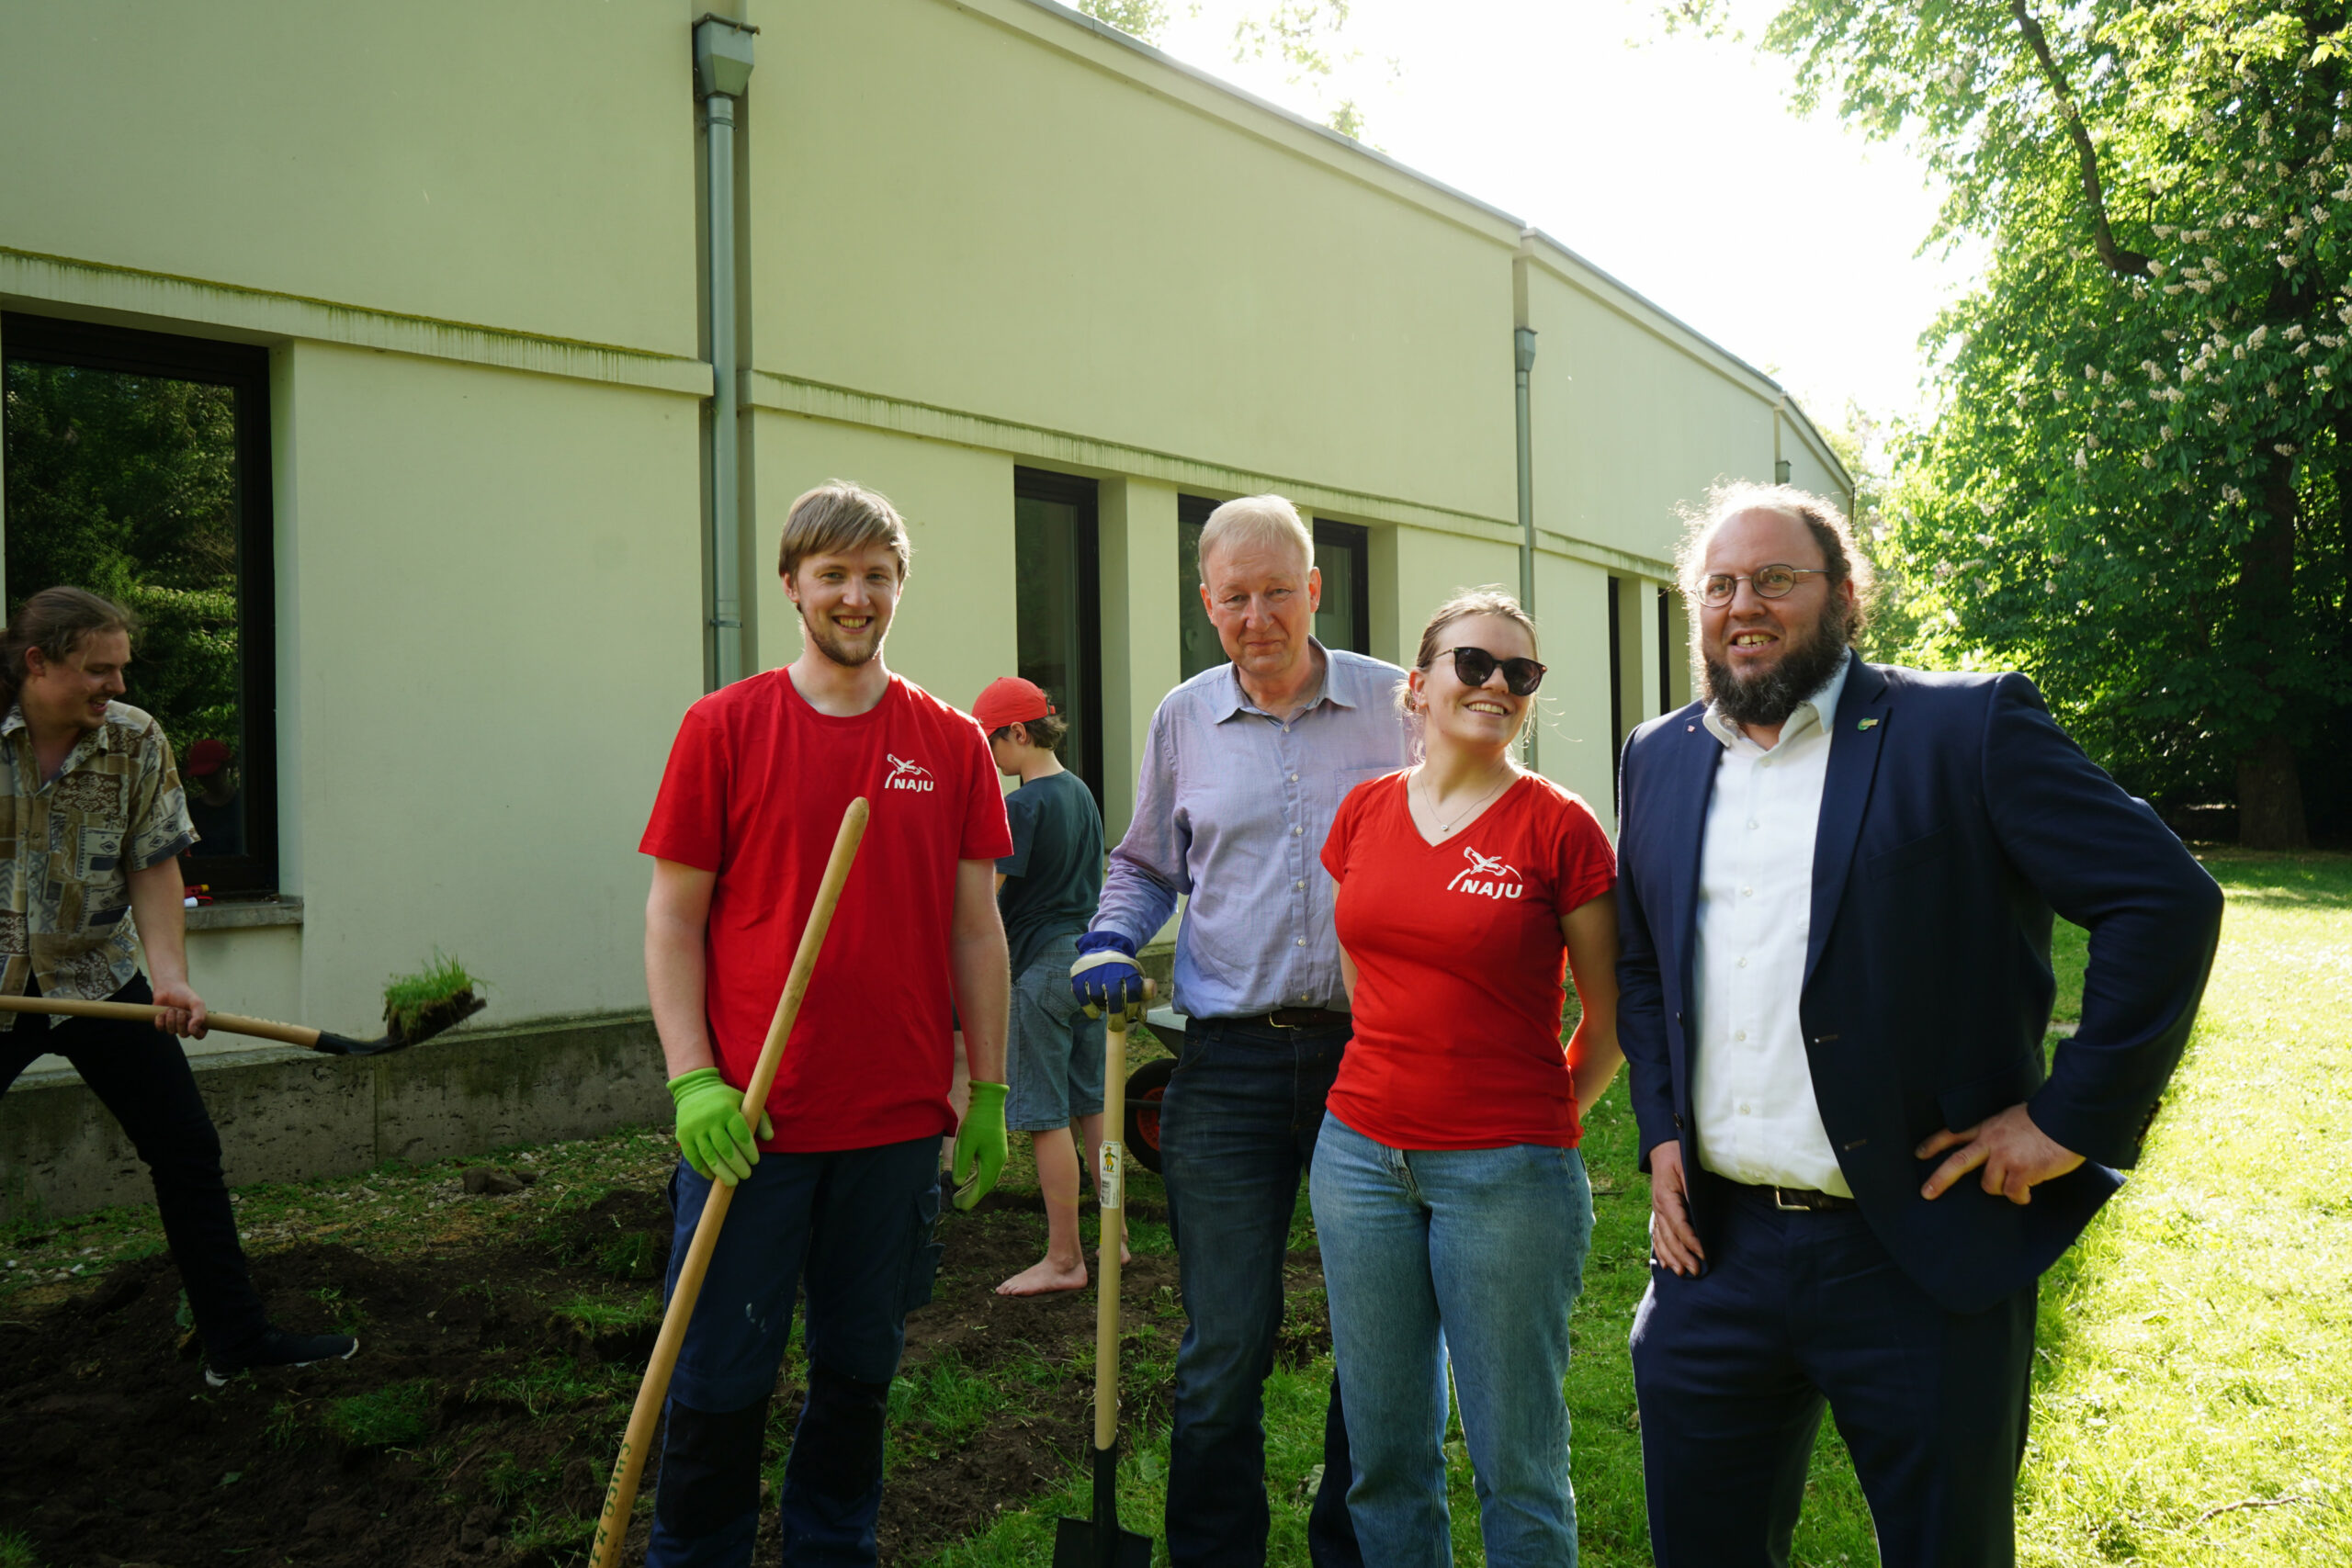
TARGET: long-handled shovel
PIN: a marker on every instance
(1101, 1543)
(325, 1042)
(612, 1528)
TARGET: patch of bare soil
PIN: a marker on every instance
(478, 1425)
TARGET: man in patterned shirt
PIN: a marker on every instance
(92, 824)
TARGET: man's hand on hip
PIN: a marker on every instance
(1106, 978)
(979, 1145)
(1674, 1240)
(712, 1132)
(2017, 1156)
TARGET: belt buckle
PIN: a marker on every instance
(1786, 1207)
(1273, 1022)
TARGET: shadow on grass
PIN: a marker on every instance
(2318, 879)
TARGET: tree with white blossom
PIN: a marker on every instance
(2138, 481)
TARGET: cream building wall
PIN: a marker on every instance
(974, 236)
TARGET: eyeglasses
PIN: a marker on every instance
(1770, 582)
(1475, 665)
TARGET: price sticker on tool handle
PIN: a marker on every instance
(1111, 1175)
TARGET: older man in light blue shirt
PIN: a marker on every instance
(1244, 770)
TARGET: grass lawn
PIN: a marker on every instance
(2195, 1399)
(2194, 1390)
(2194, 1404)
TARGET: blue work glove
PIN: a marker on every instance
(1106, 978)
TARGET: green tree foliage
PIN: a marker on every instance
(1137, 19)
(2137, 486)
(126, 486)
(1304, 35)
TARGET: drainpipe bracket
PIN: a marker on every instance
(722, 56)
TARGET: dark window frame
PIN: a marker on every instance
(1356, 540)
(1192, 515)
(1616, 676)
(1085, 496)
(1665, 650)
(244, 369)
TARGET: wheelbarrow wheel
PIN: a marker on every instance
(1146, 1087)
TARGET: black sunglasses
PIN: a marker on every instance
(1475, 665)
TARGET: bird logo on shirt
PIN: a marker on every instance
(1486, 877)
(904, 774)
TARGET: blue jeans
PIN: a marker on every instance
(1236, 1131)
(857, 1223)
(1468, 1255)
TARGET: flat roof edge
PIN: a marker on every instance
(1529, 233)
(1652, 306)
(1110, 34)
(1780, 390)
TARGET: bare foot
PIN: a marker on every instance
(1045, 1279)
(1125, 1257)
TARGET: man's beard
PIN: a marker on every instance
(828, 642)
(1768, 698)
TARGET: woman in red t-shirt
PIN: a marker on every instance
(1450, 1200)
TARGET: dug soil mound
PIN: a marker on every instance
(478, 1424)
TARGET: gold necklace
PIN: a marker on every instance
(1429, 795)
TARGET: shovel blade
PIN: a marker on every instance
(1076, 1545)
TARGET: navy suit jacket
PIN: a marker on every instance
(1956, 816)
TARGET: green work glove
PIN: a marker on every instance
(980, 1145)
(712, 1132)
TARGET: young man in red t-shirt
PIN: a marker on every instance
(847, 1191)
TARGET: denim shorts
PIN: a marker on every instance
(1053, 1052)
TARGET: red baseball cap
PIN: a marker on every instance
(1010, 700)
(206, 758)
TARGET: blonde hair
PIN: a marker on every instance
(839, 516)
(1257, 519)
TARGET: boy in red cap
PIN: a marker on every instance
(1047, 890)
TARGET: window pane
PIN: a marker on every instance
(1197, 647)
(127, 485)
(1335, 613)
(1047, 590)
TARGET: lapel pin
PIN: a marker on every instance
(1865, 723)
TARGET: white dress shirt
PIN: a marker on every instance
(1752, 1088)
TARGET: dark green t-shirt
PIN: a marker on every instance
(1055, 873)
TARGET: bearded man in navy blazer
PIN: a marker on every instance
(1836, 885)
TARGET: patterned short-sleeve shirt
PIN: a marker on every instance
(68, 846)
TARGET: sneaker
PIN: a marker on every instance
(279, 1349)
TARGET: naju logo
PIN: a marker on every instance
(1486, 877)
(905, 775)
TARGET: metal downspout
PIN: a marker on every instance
(1523, 342)
(722, 71)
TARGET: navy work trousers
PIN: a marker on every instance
(1796, 1310)
(141, 1075)
(1236, 1135)
(856, 1225)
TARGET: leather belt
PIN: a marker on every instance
(1307, 1018)
(1803, 1199)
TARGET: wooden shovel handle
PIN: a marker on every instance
(612, 1528)
(1110, 1187)
(233, 1023)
